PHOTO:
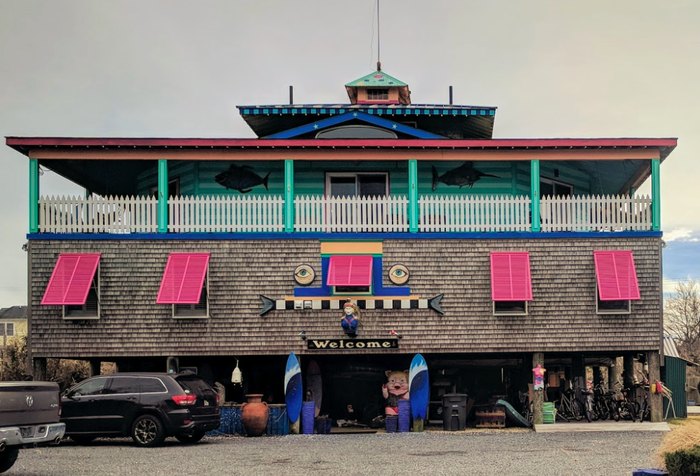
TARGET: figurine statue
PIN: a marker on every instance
(394, 390)
(351, 319)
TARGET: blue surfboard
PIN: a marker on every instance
(419, 388)
(293, 391)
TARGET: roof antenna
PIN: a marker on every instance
(379, 63)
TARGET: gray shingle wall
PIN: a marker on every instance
(561, 318)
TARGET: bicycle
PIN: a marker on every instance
(569, 408)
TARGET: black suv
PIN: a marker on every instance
(146, 406)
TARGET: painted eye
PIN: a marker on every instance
(304, 274)
(398, 274)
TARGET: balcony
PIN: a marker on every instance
(320, 214)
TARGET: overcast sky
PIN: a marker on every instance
(171, 68)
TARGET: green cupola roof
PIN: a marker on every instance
(378, 79)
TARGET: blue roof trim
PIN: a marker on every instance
(340, 236)
(324, 109)
(370, 119)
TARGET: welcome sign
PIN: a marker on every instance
(352, 344)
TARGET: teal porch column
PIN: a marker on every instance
(656, 194)
(535, 195)
(33, 196)
(413, 196)
(162, 196)
(289, 196)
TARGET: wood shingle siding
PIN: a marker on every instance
(561, 318)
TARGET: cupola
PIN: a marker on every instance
(378, 88)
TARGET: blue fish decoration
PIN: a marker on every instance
(242, 178)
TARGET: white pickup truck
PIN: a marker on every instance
(29, 416)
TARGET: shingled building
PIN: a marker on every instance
(486, 255)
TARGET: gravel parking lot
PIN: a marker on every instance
(501, 452)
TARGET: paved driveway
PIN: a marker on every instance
(493, 452)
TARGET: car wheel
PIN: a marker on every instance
(147, 430)
(83, 439)
(8, 456)
(190, 438)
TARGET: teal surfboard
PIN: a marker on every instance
(419, 387)
(293, 391)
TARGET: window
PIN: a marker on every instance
(511, 286)
(555, 188)
(377, 94)
(173, 188)
(350, 274)
(91, 387)
(357, 184)
(184, 284)
(617, 281)
(199, 309)
(9, 329)
(75, 285)
(152, 385)
(124, 385)
(356, 132)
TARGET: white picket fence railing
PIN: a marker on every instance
(478, 213)
(596, 213)
(97, 214)
(315, 213)
(226, 213)
(351, 214)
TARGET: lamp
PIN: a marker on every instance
(302, 334)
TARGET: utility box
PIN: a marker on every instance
(454, 411)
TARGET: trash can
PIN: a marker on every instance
(454, 411)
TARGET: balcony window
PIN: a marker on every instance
(555, 188)
(357, 184)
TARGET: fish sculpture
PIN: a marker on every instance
(242, 178)
(463, 175)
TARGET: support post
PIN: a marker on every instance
(39, 368)
(538, 395)
(162, 196)
(535, 195)
(95, 365)
(656, 406)
(33, 195)
(615, 373)
(628, 366)
(289, 196)
(656, 194)
(413, 196)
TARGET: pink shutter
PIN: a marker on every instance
(510, 276)
(617, 276)
(183, 278)
(71, 279)
(350, 271)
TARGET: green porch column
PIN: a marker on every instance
(413, 196)
(289, 196)
(535, 194)
(33, 196)
(656, 194)
(162, 196)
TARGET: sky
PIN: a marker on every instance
(173, 68)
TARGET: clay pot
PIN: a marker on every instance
(254, 414)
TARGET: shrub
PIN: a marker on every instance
(683, 462)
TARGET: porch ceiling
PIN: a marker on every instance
(104, 178)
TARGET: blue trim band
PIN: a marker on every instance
(340, 236)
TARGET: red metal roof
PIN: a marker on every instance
(617, 277)
(183, 278)
(510, 276)
(24, 144)
(71, 279)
